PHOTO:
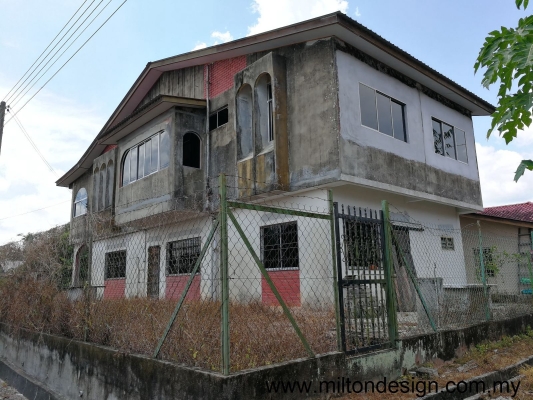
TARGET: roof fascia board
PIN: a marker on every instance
(506, 221)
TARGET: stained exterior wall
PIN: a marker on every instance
(369, 156)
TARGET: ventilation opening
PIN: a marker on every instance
(191, 150)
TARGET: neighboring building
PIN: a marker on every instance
(323, 103)
(506, 247)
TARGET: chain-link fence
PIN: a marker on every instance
(450, 277)
(226, 281)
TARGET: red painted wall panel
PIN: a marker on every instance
(176, 285)
(109, 147)
(221, 74)
(288, 285)
(114, 288)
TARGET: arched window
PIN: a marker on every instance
(191, 150)
(264, 110)
(145, 158)
(96, 187)
(102, 188)
(80, 203)
(81, 273)
(109, 180)
(244, 122)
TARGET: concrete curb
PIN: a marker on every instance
(505, 374)
(28, 387)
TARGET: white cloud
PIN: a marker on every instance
(222, 36)
(496, 173)
(199, 46)
(357, 13)
(62, 130)
(277, 13)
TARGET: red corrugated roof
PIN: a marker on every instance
(517, 212)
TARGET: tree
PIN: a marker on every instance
(507, 55)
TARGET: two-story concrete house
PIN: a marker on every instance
(324, 103)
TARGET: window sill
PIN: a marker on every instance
(268, 149)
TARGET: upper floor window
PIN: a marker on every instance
(218, 118)
(146, 158)
(191, 150)
(449, 141)
(264, 112)
(382, 113)
(80, 203)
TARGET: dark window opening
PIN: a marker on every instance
(279, 246)
(447, 243)
(182, 255)
(152, 281)
(191, 150)
(218, 118)
(115, 264)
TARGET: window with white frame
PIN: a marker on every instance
(80, 203)
(146, 158)
(182, 255)
(449, 141)
(279, 246)
(382, 113)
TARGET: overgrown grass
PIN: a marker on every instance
(259, 334)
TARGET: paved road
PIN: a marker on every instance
(8, 393)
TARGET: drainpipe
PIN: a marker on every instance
(208, 155)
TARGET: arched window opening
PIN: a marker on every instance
(109, 180)
(244, 122)
(146, 158)
(81, 273)
(80, 203)
(191, 150)
(264, 109)
(96, 187)
(101, 188)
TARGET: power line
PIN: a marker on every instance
(34, 145)
(64, 51)
(32, 211)
(59, 41)
(21, 92)
(24, 105)
(73, 15)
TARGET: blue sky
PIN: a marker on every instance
(66, 115)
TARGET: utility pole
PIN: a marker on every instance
(2, 115)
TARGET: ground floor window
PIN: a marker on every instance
(182, 255)
(279, 246)
(115, 264)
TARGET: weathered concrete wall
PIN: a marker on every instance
(138, 198)
(371, 156)
(186, 82)
(73, 368)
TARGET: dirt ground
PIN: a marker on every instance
(8, 393)
(485, 357)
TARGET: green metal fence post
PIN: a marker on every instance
(483, 273)
(223, 218)
(387, 261)
(530, 268)
(334, 267)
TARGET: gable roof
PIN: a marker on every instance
(330, 25)
(517, 212)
